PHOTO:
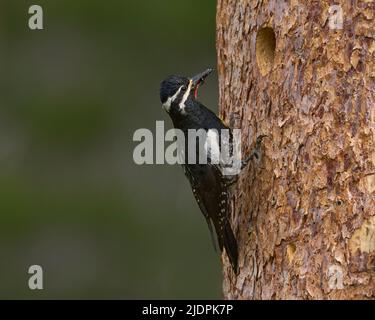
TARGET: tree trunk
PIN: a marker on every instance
(304, 216)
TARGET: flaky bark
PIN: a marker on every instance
(304, 217)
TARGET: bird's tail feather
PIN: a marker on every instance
(230, 245)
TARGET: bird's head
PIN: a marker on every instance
(175, 90)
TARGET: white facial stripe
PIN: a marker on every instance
(184, 98)
(168, 103)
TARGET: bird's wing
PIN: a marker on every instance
(195, 187)
(211, 192)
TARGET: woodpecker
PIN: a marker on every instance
(211, 189)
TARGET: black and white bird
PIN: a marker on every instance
(178, 95)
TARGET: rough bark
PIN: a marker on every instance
(305, 216)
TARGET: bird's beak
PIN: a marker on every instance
(198, 79)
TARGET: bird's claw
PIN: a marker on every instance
(256, 153)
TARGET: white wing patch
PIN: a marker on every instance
(212, 147)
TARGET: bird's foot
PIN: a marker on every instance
(256, 153)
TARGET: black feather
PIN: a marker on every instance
(209, 186)
(170, 86)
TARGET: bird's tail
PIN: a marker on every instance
(230, 245)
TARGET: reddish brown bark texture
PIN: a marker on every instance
(304, 217)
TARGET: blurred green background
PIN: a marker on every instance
(71, 198)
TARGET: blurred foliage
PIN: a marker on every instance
(72, 199)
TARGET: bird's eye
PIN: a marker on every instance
(183, 88)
